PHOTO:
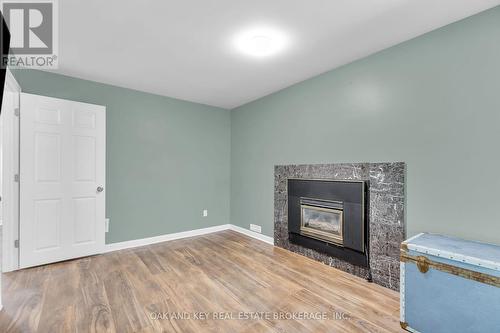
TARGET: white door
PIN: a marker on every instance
(62, 177)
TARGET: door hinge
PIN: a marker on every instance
(16, 243)
(17, 112)
(16, 178)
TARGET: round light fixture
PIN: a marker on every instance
(260, 41)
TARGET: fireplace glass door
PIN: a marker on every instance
(324, 223)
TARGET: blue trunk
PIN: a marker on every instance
(449, 285)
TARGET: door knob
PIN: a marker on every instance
(100, 189)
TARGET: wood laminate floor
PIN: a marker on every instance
(221, 282)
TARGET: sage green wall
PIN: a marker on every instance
(432, 102)
(166, 159)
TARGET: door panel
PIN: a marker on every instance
(85, 151)
(62, 164)
(84, 217)
(47, 157)
(48, 116)
(47, 224)
(84, 119)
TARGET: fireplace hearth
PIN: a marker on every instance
(330, 216)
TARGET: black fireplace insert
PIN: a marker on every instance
(330, 216)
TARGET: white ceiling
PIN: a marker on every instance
(184, 48)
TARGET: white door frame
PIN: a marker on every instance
(10, 168)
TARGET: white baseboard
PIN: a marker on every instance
(184, 234)
(163, 238)
(264, 238)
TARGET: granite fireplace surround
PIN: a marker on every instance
(385, 216)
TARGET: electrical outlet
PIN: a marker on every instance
(256, 228)
(106, 225)
(205, 212)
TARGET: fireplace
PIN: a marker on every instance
(322, 220)
(330, 216)
(373, 219)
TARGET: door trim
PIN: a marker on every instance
(10, 167)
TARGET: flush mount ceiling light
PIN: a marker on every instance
(260, 41)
